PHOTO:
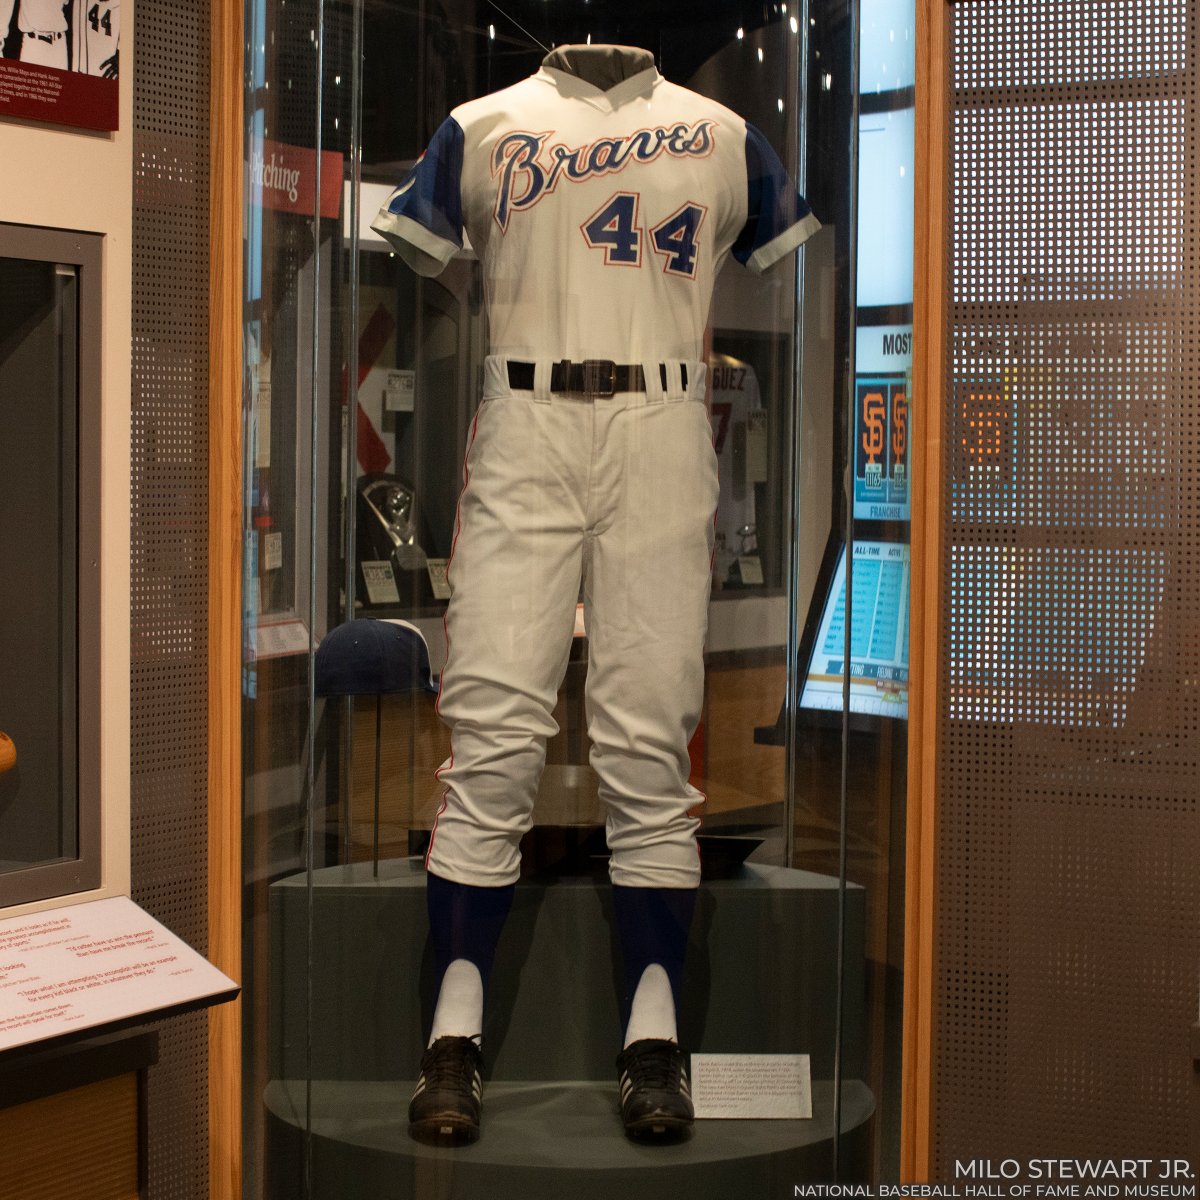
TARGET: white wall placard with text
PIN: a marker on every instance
(754, 1087)
(67, 969)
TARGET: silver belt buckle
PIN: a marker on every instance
(599, 376)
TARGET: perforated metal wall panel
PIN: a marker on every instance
(1069, 738)
(169, 581)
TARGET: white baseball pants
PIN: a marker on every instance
(619, 493)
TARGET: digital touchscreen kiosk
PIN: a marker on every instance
(879, 635)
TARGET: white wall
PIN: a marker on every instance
(78, 180)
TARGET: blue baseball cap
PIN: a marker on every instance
(368, 658)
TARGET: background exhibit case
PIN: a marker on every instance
(362, 383)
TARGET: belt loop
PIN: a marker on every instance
(495, 376)
(675, 389)
(697, 381)
(653, 381)
(541, 381)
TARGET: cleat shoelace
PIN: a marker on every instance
(447, 1066)
(655, 1069)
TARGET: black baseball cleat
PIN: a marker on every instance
(656, 1102)
(448, 1099)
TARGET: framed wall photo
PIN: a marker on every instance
(60, 60)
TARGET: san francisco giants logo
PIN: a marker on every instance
(874, 413)
(984, 419)
(899, 437)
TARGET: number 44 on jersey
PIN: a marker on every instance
(615, 228)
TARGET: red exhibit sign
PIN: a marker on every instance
(63, 97)
(284, 178)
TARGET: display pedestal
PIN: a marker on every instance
(760, 979)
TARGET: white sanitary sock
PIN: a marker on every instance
(652, 1014)
(459, 1011)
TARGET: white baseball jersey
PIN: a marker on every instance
(733, 392)
(95, 37)
(601, 217)
(35, 16)
(42, 25)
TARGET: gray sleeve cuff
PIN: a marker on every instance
(425, 252)
(779, 247)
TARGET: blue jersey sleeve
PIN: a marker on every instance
(778, 218)
(422, 218)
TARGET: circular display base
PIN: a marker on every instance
(548, 1139)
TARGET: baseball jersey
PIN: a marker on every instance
(96, 36)
(733, 395)
(35, 16)
(601, 217)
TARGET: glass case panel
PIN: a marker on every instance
(596, 667)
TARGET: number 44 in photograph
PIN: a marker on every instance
(60, 61)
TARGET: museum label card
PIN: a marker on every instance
(262, 424)
(750, 568)
(278, 639)
(272, 551)
(754, 1087)
(437, 577)
(401, 391)
(381, 583)
(63, 970)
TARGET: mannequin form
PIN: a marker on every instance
(590, 466)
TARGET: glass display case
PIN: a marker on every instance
(762, 651)
(49, 538)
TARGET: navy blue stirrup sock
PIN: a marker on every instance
(465, 922)
(653, 926)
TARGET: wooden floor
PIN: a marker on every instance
(739, 773)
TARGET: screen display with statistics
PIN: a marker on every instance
(879, 634)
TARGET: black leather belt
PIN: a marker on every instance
(43, 37)
(592, 377)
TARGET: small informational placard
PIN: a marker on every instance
(68, 969)
(437, 577)
(750, 568)
(381, 583)
(752, 1087)
(262, 424)
(401, 391)
(59, 72)
(280, 638)
(272, 551)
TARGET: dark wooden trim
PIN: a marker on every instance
(34, 1072)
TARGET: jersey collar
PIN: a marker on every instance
(572, 87)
